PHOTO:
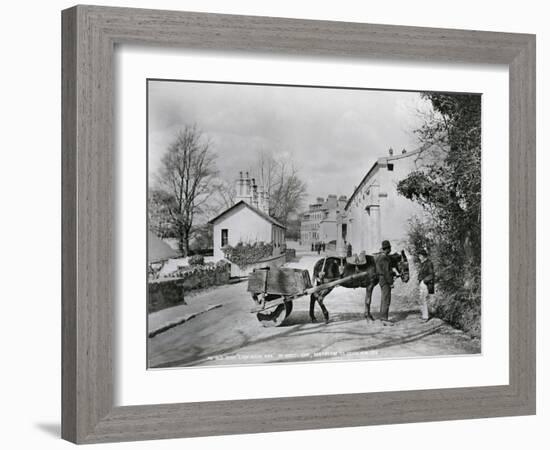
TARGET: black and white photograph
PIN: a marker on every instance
(275, 225)
(299, 224)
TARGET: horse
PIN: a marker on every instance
(333, 268)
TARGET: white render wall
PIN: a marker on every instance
(396, 210)
(389, 212)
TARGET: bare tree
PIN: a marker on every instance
(289, 191)
(266, 169)
(224, 196)
(185, 181)
(281, 180)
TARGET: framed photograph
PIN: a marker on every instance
(338, 219)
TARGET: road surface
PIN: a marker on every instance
(232, 335)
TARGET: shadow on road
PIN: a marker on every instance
(302, 317)
(302, 328)
(198, 355)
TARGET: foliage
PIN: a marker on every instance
(202, 240)
(245, 254)
(207, 251)
(448, 186)
(461, 309)
(457, 302)
(293, 227)
(184, 184)
(158, 215)
(196, 260)
(188, 270)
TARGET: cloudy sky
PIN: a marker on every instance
(333, 135)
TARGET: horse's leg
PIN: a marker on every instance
(312, 301)
(368, 298)
(323, 308)
(318, 297)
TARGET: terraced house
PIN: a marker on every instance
(319, 222)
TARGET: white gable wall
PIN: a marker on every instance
(243, 225)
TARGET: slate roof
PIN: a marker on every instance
(256, 210)
(379, 162)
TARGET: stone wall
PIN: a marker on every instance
(170, 291)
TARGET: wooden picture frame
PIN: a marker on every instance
(89, 37)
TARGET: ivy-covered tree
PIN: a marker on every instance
(448, 186)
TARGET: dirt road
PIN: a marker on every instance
(232, 335)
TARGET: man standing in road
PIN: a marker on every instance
(385, 279)
(426, 279)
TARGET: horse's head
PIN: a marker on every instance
(400, 262)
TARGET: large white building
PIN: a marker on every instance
(319, 223)
(247, 220)
(375, 211)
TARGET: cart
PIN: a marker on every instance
(275, 290)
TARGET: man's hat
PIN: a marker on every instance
(385, 245)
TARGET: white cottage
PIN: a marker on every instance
(245, 223)
(248, 220)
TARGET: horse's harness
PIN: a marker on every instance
(342, 266)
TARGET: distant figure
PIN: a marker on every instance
(426, 283)
(324, 246)
(312, 247)
(348, 249)
(385, 274)
(318, 248)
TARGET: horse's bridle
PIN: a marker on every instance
(402, 263)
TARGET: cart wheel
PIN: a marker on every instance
(276, 317)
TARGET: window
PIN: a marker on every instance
(225, 237)
(390, 167)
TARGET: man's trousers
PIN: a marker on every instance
(385, 301)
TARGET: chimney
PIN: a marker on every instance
(390, 151)
(247, 188)
(244, 190)
(240, 183)
(403, 151)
